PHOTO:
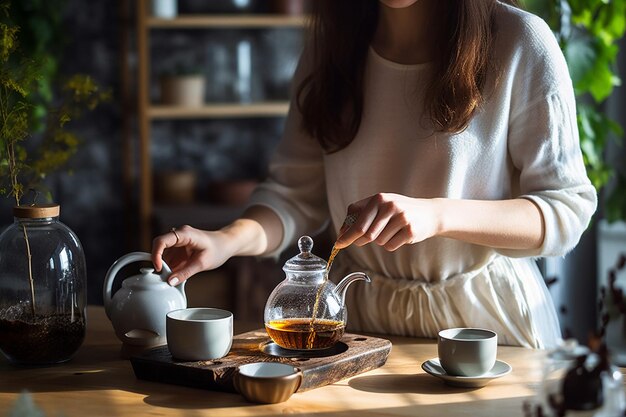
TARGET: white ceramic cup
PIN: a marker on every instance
(197, 334)
(467, 351)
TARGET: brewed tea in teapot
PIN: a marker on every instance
(307, 311)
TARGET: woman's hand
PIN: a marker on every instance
(390, 220)
(188, 251)
(393, 220)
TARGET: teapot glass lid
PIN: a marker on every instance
(305, 261)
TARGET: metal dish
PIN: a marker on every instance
(267, 382)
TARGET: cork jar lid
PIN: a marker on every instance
(40, 211)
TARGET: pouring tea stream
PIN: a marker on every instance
(292, 319)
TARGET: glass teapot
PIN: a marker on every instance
(306, 310)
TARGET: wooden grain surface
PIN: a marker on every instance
(97, 383)
(354, 354)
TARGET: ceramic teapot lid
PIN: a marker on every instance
(305, 261)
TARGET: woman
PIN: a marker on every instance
(449, 129)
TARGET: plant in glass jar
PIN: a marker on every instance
(42, 267)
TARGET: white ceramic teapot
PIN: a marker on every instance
(138, 309)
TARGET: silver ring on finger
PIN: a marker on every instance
(173, 230)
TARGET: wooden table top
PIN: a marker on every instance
(96, 382)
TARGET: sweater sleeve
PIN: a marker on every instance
(544, 146)
(295, 188)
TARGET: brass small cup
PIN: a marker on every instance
(267, 382)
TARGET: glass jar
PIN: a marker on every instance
(42, 288)
(557, 363)
(577, 382)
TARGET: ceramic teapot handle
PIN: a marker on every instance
(119, 264)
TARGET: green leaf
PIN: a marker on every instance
(612, 20)
(547, 9)
(616, 128)
(615, 207)
(580, 55)
(8, 41)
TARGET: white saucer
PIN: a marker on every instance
(433, 367)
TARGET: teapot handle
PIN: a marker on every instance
(115, 268)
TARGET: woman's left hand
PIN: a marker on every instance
(390, 220)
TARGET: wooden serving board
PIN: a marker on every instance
(352, 355)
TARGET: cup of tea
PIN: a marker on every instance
(267, 382)
(467, 351)
(198, 334)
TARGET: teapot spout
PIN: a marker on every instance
(343, 285)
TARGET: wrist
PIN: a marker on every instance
(441, 216)
(243, 237)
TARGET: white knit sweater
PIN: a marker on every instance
(523, 142)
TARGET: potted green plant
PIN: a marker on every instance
(42, 271)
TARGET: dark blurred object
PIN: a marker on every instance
(217, 6)
(175, 187)
(231, 192)
(582, 387)
(290, 7)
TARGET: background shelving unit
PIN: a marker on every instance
(226, 21)
(147, 112)
(219, 110)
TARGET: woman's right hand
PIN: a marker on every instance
(188, 251)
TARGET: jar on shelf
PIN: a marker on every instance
(164, 9)
(42, 288)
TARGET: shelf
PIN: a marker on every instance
(223, 110)
(153, 215)
(227, 21)
(200, 215)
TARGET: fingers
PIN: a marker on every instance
(395, 225)
(373, 215)
(186, 271)
(353, 213)
(178, 277)
(168, 240)
(380, 224)
(382, 220)
(186, 251)
(354, 232)
(399, 239)
(158, 246)
(349, 221)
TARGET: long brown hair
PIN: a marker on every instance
(330, 97)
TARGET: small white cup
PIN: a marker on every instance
(197, 334)
(467, 351)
